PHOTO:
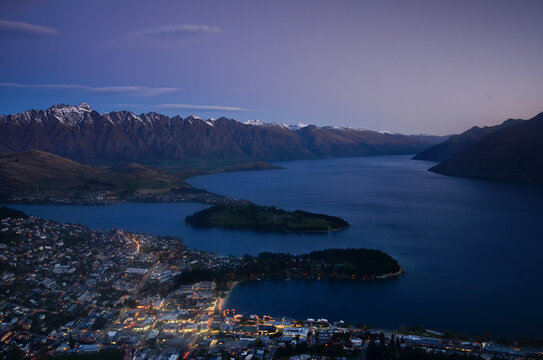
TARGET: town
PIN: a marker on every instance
(108, 197)
(70, 291)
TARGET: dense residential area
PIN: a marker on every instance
(69, 291)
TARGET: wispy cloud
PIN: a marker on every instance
(200, 107)
(116, 90)
(184, 107)
(167, 36)
(179, 30)
(21, 29)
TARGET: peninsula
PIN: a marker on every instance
(355, 264)
(248, 216)
(334, 264)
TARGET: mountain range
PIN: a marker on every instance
(83, 134)
(49, 153)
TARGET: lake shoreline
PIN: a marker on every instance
(386, 276)
(224, 299)
(450, 236)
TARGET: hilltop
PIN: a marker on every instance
(513, 153)
(458, 143)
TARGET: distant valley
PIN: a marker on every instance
(73, 153)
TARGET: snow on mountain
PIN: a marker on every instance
(192, 118)
(78, 132)
(298, 126)
(69, 115)
(255, 123)
(74, 116)
(344, 128)
(292, 127)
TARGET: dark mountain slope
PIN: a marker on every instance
(514, 153)
(458, 143)
(40, 173)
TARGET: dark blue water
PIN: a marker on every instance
(472, 250)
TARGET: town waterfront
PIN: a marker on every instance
(471, 249)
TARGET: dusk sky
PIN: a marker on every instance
(434, 67)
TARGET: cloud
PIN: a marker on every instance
(185, 107)
(21, 29)
(166, 37)
(200, 107)
(117, 90)
(179, 30)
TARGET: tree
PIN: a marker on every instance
(258, 342)
(14, 353)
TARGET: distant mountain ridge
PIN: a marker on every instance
(81, 133)
(458, 143)
(512, 153)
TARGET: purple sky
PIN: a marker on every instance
(409, 66)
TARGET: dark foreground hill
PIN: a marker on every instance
(38, 173)
(458, 143)
(82, 134)
(513, 153)
(6, 212)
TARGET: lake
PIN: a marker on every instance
(472, 250)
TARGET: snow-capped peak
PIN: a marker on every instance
(70, 115)
(386, 132)
(254, 122)
(84, 106)
(298, 126)
(281, 125)
(209, 122)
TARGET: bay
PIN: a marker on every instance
(472, 250)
